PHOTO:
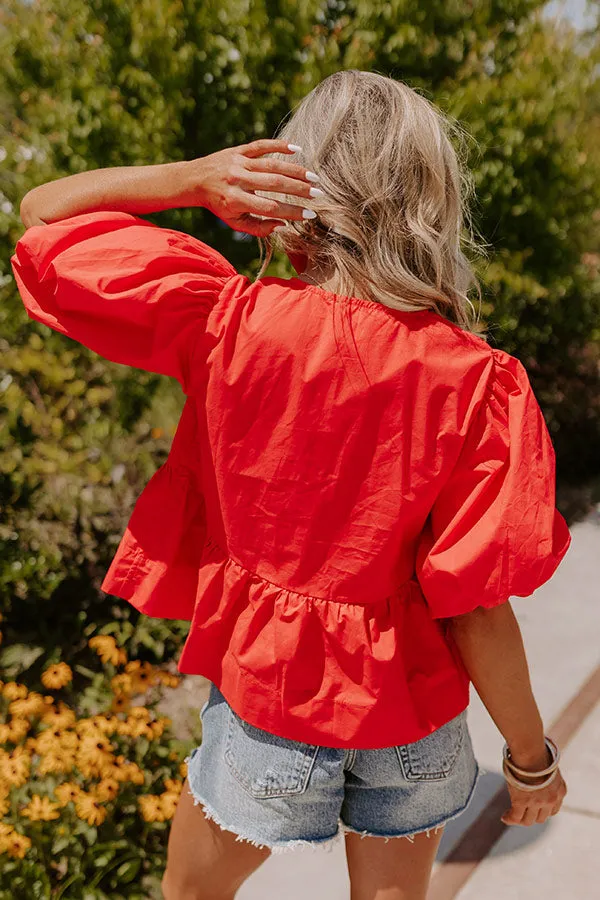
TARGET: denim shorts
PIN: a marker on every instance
(283, 794)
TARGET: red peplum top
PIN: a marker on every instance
(343, 479)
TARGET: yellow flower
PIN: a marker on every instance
(87, 727)
(132, 772)
(168, 802)
(106, 648)
(40, 808)
(137, 728)
(17, 845)
(5, 831)
(96, 751)
(32, 705)
(107, 789)
(64, 718)
(18, 728)
(5, 733)
(88, 808)
(15, 769)
(173, 785)
(67, 792)
(159, 726)
(143, 675)
(139, 712)
(14, 691)
(105, 724)
(183, 770)
(53, 739)
(122, 683)
(121, 703)
(60, 760)
(19, 751)
(124, 729)
(4, 805)
(151, 808)
(168, 679)
(57, 676)
(46, 743)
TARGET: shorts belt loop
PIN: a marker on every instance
(350, 760)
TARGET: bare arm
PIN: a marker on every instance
(224, 182)
(491, 646)
(132, 189)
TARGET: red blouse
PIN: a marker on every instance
(344, 476)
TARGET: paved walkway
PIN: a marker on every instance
(557, 860)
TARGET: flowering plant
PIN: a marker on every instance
(85, 800)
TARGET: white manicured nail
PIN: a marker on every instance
(316, 192)
(312, 176)
(279, 228)
(309, 214)
(294, 148)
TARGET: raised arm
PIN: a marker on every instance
(223, 182)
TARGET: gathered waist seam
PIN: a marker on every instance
(210, 542)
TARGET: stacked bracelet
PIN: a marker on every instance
(514, 774)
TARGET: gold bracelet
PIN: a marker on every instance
(523, 772)
(523, 786)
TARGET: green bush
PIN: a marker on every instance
(107, 83)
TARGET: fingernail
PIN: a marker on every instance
(279, 228)
(309, 214)
(294, 148)
(316, 192)
(312, 176)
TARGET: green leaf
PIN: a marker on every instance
(127, 871)
(60, 844)
(85, 671)
(17, 658)
(141, 745)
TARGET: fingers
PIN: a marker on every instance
(257, 227)
(281, 167)
(514, 816)
(280, 184)
(267, 145)
(274, 209)
(530, 815)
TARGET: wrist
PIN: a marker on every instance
(187, 182)
(533, 758)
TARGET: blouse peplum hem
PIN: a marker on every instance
(328, 672)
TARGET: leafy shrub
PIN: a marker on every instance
(89, 780)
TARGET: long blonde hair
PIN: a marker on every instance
(395, 221)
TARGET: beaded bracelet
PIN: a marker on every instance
(523, 772)
(522, 785)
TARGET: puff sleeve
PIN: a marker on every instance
(493, 531)
(135, 293)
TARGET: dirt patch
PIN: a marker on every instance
(183, 703)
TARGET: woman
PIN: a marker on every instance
(357, 486)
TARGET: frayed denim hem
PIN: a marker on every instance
(281, 847)
(328, 842)
(433, 826)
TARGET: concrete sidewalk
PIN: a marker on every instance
(561, 629)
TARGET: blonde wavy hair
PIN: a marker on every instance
(394, 223)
